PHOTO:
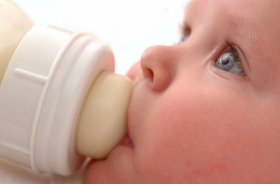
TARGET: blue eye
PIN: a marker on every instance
(230, 62)
(184, 39)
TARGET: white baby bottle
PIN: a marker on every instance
(60, 101)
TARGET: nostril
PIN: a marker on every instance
(150, 74)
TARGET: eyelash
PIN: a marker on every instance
(235, 53)
(184, 30)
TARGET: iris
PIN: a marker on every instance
(184, 39)
(230, 62)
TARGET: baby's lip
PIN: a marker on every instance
(135, 74)
(126, 141)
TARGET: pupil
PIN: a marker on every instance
(225, 60)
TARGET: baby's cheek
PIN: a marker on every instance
(178, 151)
(186, 141)
(162, 151)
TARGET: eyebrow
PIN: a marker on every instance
(251, 32)
(186, 21)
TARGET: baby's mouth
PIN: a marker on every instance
(126, 141)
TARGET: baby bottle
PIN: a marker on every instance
(60, 101)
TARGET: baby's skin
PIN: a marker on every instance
(207, 110)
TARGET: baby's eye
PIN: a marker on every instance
(183, 39)
(230, 62)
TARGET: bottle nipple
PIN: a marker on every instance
(102, 121)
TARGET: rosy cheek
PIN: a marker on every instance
(134, 71)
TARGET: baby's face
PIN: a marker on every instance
(206, 110)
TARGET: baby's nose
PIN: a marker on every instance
(158, 63)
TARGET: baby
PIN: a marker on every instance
(207, 110)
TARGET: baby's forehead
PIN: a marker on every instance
(249, 13)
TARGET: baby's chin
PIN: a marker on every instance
(134, 71)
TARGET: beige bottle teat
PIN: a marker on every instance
(15, 23)
(102, 122)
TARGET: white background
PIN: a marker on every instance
(129, 26)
